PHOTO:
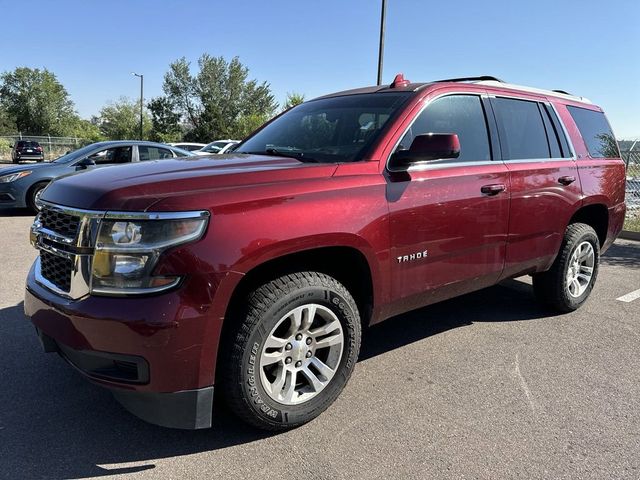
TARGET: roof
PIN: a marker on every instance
(539, 91)
(485, 80)
(128, 142)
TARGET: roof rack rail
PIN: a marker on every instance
(561, 91)
(469, 79)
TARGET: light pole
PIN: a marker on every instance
(381, 47)
(141, 98)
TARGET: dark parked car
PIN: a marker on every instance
(27, 150)
(21, 186)
(254, 273)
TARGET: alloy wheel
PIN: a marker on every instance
(301, 354)
(580, 269)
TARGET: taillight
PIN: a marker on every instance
(39, 149)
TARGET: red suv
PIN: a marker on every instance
(256, 272)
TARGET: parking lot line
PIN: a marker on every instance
(630, 297)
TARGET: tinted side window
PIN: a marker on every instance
(522, 133)
(596, 132)
(459, 114)
(552, 136)
(153, 153)
(112, 155)
(564, 145)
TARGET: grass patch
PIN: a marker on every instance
(632, 222)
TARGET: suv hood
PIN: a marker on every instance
(136, 187)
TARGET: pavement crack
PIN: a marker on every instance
(524, 385)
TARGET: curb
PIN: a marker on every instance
(629, 235)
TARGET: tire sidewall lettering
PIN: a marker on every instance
(258, 399)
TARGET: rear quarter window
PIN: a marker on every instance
(596, 132)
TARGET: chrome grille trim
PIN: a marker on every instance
(73, 249)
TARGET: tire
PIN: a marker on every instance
(33, 195)
(251, 377)
(557, 287)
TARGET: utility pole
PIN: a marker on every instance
(381, 47)
(141, 99)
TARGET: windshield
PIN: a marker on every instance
(328, 130)
(181, 152)
(214, 146)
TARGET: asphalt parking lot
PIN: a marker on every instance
(485, 386)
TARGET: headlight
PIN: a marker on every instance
(12, 177)
(127, 250)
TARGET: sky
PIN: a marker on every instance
(589, 48)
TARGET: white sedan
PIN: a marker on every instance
(219, 147)
(189, 146)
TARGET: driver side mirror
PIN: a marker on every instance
(84, 163)
(425, 148)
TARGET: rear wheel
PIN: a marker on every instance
(569, 281)
(292, 351)
(34, 196)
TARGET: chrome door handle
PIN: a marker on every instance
(494, 189)
(567, 180)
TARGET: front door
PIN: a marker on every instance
(448, 218)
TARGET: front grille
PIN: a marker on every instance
(64, 237)
(56, 270)
(59, 222)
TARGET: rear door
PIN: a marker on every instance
(150, 152)
(545, 188)
(448, 231)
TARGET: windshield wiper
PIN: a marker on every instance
(300, 156)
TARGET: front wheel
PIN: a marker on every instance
(569, 281)
(292, 351)
(34, 196)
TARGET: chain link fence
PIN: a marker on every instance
(632, 161)
(53, 146)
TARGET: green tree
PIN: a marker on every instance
(292, 100)
(84, 129)
(121, 120)
(36, 101)
(218, 101)
(165, 121)
(7, 122)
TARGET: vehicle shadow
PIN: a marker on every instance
(16, 212)
(509, 301)
(54, 424)
(622, 255)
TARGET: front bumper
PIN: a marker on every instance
(150, 352)
(11, 196)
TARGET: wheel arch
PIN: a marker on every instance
(29, 190)
(596, 215)
(347, 264)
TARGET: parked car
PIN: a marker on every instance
(27, 150)
(22, 186)
(219, 147)
(255, 276)
(189, 146)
